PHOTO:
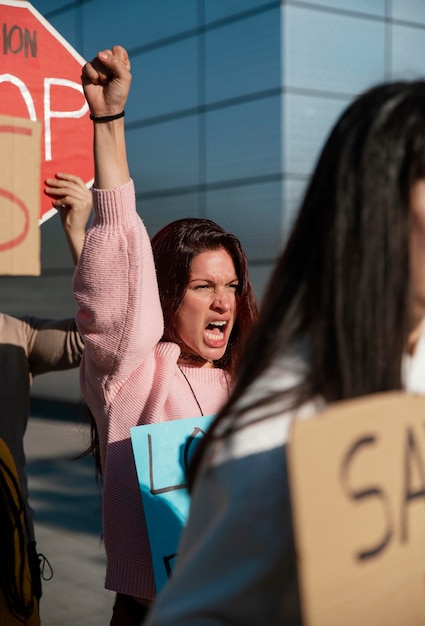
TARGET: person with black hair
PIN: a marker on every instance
(342, 317)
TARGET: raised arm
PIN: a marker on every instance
(73, 201)
(106, 82)
(119, 312)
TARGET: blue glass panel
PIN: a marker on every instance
(164, 156)
(165, 80)
(408, 52)
(243, 57)
(45, 7)
(260, 276)
(157, 212)
(293, 194)
(253, 213)
(308, 121)
(332, 52)
(244, 140)
(164, 18)
(219, 9)
(410, 10)
(135, 22)
(374, 7)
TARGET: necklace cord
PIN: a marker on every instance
(191, 389)
(194, 394)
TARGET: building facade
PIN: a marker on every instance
(230, 103)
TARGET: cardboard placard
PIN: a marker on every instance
(357, 480)
(161, 453)
(20, 158)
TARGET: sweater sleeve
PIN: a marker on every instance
(119, 315)
(46, 345)
(53, 345)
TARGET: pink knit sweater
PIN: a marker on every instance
(127, 376)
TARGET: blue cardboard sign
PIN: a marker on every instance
(162, 453)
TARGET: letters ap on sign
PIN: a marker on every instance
(40, 79)
(162, 452)
(357, 482)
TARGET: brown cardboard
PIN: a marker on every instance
(357, 478)
(20, 159)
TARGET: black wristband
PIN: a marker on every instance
(107, 118)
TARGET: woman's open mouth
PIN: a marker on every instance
(215, 333)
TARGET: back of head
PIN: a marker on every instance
(342, 281)
(340, 292)
(174, 247)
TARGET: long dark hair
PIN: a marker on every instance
(342, 281)
(174, 248)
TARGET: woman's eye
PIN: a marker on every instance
(234, 286)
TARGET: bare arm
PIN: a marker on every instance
(73, 201)
(106, 82)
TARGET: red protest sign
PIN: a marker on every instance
(40, 79)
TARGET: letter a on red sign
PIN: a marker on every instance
(40, 79)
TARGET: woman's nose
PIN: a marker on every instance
(222, 302)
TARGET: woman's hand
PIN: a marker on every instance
(106, 81)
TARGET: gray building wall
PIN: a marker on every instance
(230, 103)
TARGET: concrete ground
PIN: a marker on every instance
(66, 499)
